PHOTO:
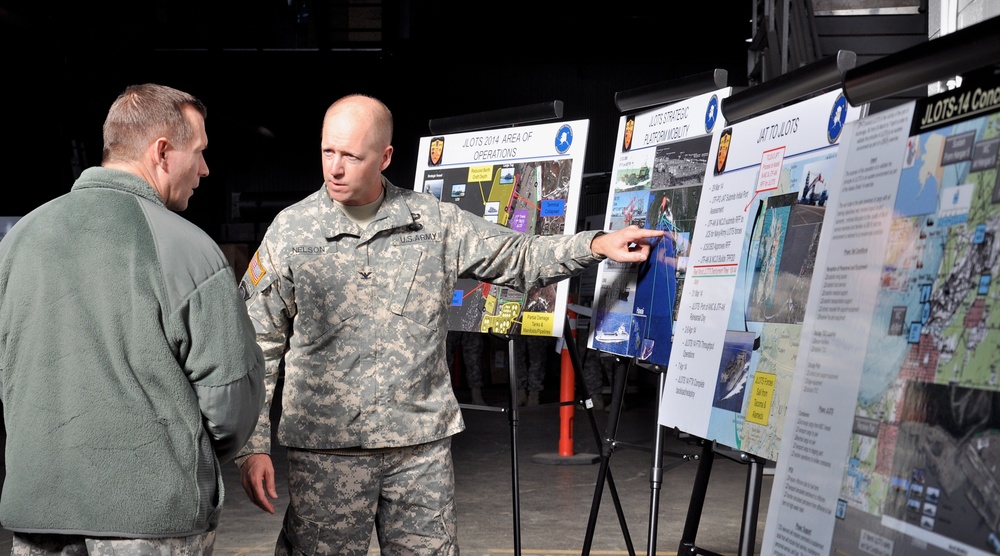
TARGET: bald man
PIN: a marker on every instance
(349, 292)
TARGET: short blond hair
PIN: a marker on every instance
(140, 114)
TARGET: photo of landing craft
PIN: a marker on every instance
(609, 336)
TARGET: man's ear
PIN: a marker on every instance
(386, 158)
(159, 150)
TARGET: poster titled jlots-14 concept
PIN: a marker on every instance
(892, 441)
(525, 178)
(660, 160)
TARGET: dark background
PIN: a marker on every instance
(267, 74)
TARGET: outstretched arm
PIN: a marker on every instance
(627, 245)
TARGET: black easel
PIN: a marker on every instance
(705, 459)
(751, 499)
(606, 446)
(656, 470)
(622, 370)
(512, 411)
(506, 117)
(627, 102)
(512, 418)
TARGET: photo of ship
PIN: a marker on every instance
(734, 373)
(734, 370)
(611, 336)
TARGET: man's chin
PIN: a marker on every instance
(339, 194)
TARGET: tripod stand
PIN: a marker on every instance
(607, 446)
(512, 418)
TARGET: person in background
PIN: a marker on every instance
(471, 344)
(532, 359)
(128, 363)
(593, 373)
(349, 293)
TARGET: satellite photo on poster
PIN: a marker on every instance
(748, 273)
(896, 389)
(660, 162)
(525, 178)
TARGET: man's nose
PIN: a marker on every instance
(337, 166)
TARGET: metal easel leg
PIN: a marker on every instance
(513, 418)
(656, 471)
(617, 394)
(687, 545)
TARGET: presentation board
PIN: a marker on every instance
(893, 428)
(526, 178)
(660, 163)
(741, 311)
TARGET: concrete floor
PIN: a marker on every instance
(559, 508)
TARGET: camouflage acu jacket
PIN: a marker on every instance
(359, 317)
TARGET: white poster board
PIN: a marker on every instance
(661, 156)
(892, 441)
(525, 178)
(741, 312)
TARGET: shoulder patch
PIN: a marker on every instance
(245, 290)
(256, 269)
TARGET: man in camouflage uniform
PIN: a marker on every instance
(350, 290)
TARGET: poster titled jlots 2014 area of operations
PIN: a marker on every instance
(525, 178)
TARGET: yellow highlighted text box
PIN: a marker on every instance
(537, 324)
(760, 398)
(480, 173)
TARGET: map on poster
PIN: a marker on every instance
(524, 178)
(899, 391)
(661, 158)
(748, 273)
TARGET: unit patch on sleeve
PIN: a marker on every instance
(245, 290)
(256, 269)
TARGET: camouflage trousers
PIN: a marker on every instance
(531, 355)
(26, 544)
(472, 355)
(407, 494)
(593, 369)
